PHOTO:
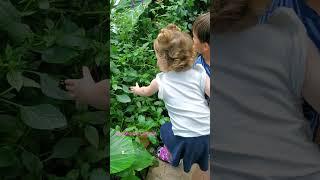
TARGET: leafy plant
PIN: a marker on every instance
(45, 135)
(134, 27)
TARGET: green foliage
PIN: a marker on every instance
(126, 155)
(43, 134)
(133, 30)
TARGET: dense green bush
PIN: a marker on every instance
(133, 29)
(43, 134)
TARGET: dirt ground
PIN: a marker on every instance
(167, 172)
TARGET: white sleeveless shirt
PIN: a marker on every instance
(183, 95)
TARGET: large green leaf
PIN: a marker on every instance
(66, 147)
(44, 116)
(91, 154)
(95, 118)
(10, 22)
(50, 87)
(31, 162)
(73, 41)
(8, 13)
(122, 154)
(27, 82)
(92, 135)
(58, 55)
(18, 31)
(123, 98)
(15, 79)
(143, 158)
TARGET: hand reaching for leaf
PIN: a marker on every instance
(86, 91)
(136, 89)
(145, 91)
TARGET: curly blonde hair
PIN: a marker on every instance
(175, 48)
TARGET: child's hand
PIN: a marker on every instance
(135, 89)
(81, 89)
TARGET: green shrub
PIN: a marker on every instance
(43, 134)
(133, 30)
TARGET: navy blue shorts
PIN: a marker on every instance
(190, 149)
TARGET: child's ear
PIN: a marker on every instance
(206, 47)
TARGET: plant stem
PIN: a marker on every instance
(12, 103)
(44, 154)
(26, 133)
(26, 7)
(6, 91)
(45, 160)
(35, 72)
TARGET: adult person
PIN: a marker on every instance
(262, 72)
(308, 12)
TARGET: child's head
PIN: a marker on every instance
(201, 33)
(174, 49)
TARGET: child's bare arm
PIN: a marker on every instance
(145, 90)
(207, 86)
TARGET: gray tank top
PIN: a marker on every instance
(258, 129)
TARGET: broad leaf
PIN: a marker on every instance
(18, 31)
(58, 55)
(91, 154)
(10, 22)
(95, 118)
(44, 116)
(143, 157)
(66, 147)
(15, 79)
(8, 13)
(50, 87)
(92, 135)
(73, 41)
(31, 162)
(125, 89)
(122, 154)
(123, 98)
(27, 82)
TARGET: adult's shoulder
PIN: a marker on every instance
(286, 19)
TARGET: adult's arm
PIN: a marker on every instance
(311, 84)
